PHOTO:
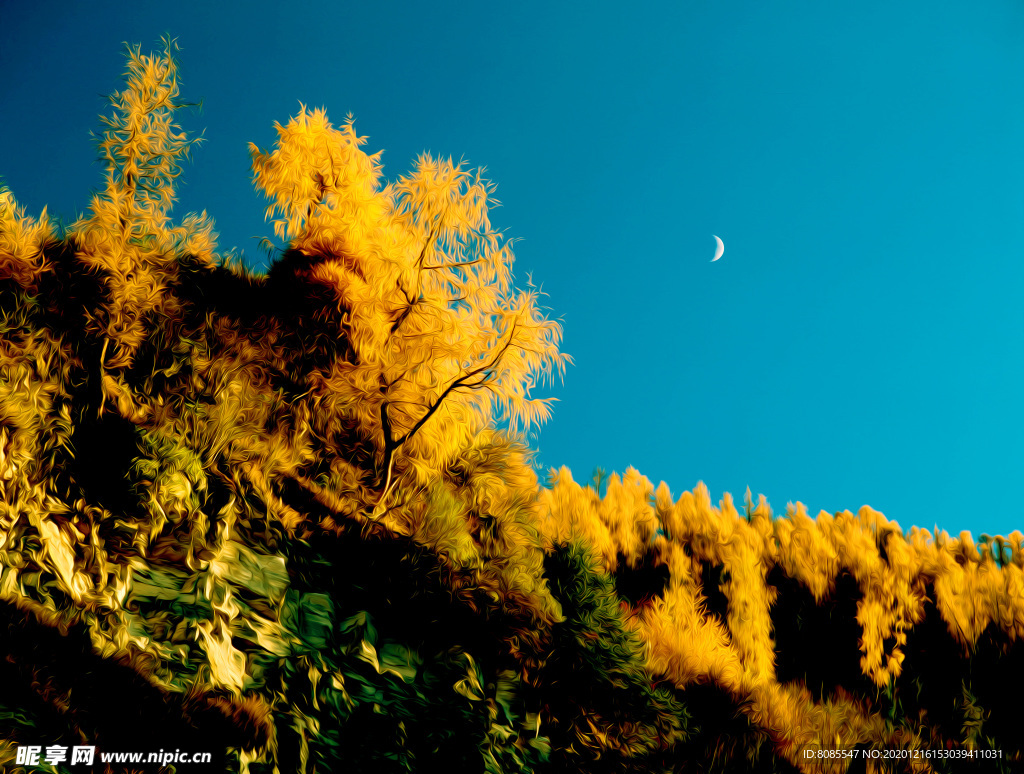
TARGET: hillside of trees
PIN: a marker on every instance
(291, 517)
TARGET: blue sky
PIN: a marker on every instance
(862, 339)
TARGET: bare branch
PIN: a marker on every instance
(453, 265)
(462, 381)
(428, 243)
(419, 264)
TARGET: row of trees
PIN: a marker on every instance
(290, 517)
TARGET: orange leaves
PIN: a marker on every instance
(440, 349)
(21, 241)
(691, 638)
(319, 181)
(622, 524)
(442, 345)
(805, 553)
(685, 643)
(569, 511)
(128, 237)
(626, 509)
(142, 145)
(971, 591)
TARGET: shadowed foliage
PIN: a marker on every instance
(831, 659)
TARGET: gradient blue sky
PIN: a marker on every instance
(861, 341)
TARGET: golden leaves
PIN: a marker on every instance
(21, 241)
(316, 166)
(128, 238)
(893, 572)
(388, 354)
(442, 345)
(407, 425)
(142, 144)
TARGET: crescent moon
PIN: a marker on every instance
(718, 250)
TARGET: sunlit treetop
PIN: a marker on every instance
(442, 342)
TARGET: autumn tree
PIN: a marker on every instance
(192, 450)
(441, 344)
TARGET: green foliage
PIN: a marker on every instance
(596, 697)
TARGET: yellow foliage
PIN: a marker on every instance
(21, 241)
(441, 342)
(621, 524)
(689, 645)
(409, 424)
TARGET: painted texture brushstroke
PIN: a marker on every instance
(298, 510)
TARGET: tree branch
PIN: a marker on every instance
(461, 382)
(452, 265)
(419, 268)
